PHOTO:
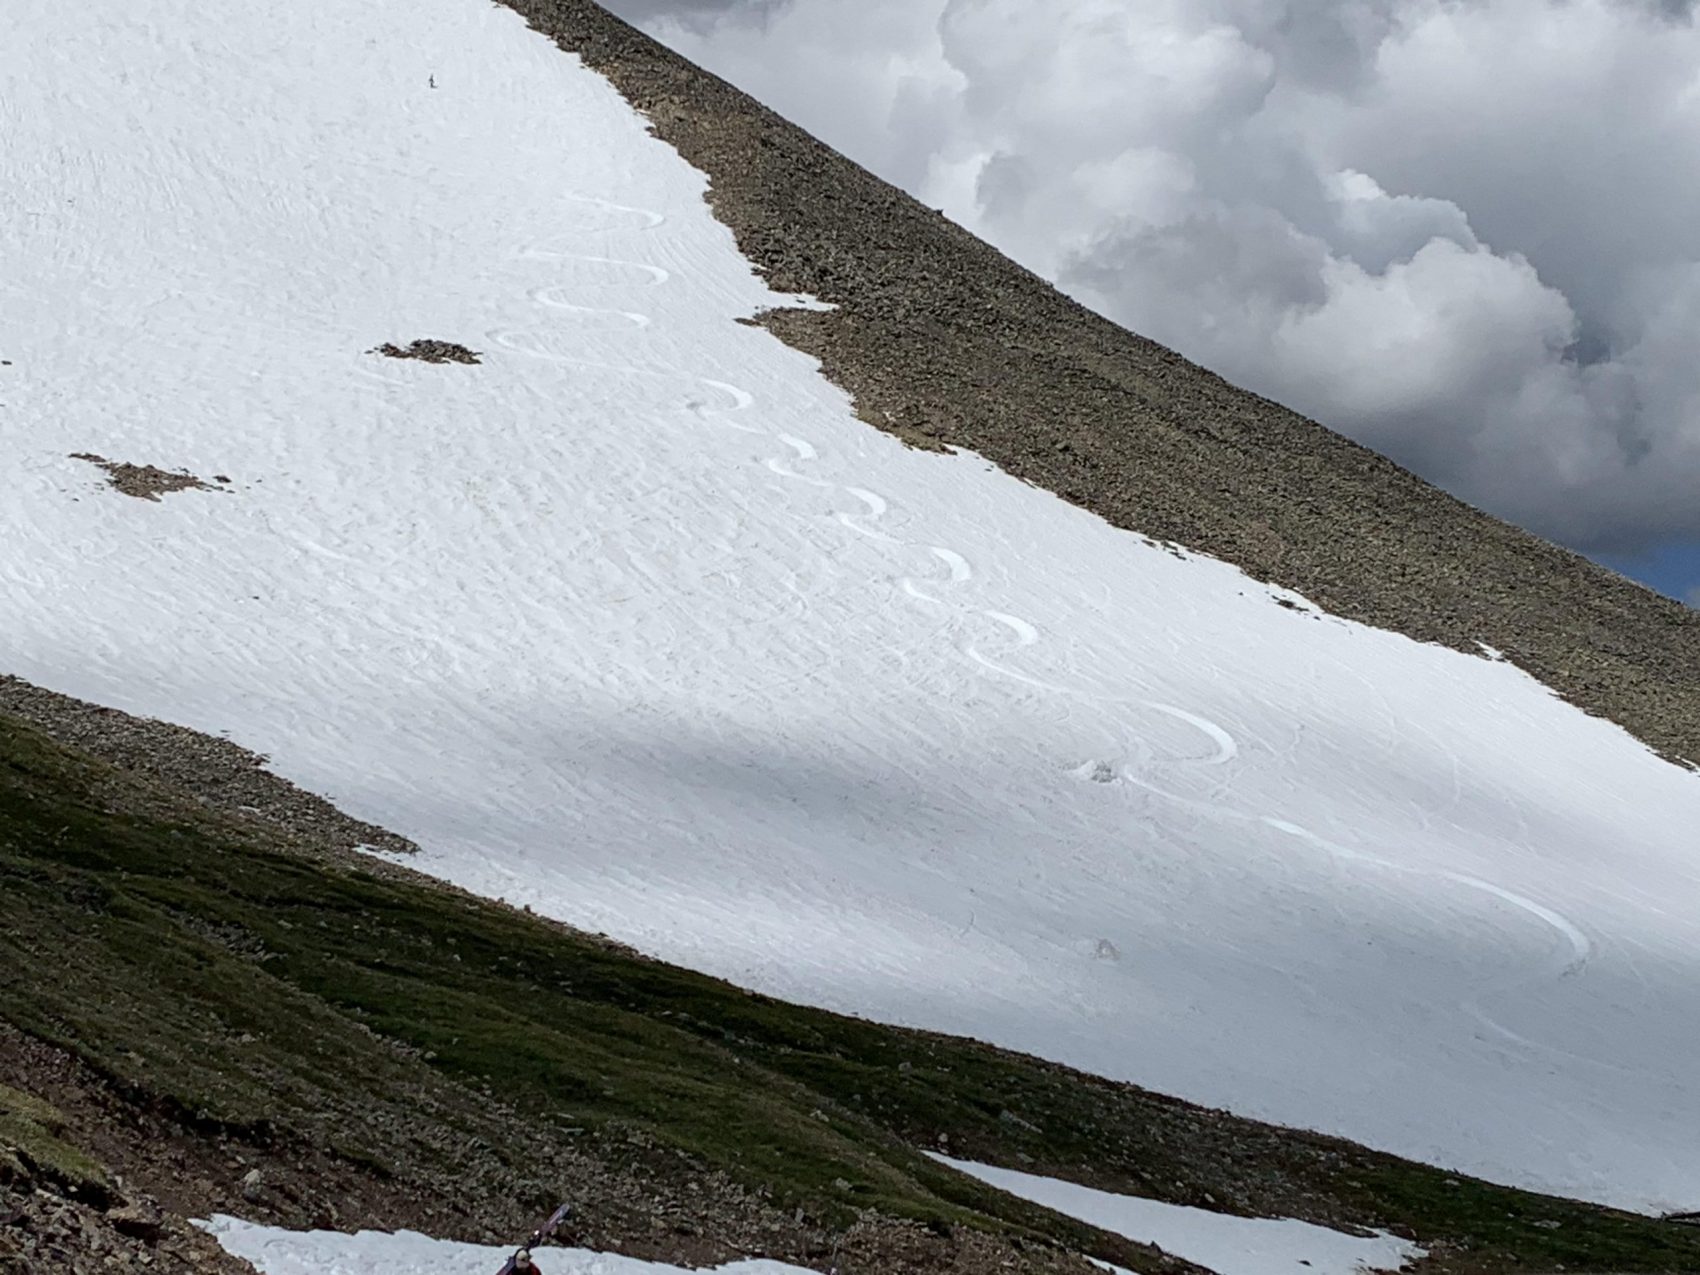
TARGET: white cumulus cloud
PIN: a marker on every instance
(1465, 232)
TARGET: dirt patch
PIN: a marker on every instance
(428, 352)
(149, 482)
(932, 325)
(219, 774)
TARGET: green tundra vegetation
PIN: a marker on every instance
(242, 984)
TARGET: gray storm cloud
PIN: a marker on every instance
(1464, 232)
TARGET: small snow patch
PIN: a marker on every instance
(274, 1251)
(1292, 601)
(1225, 1244)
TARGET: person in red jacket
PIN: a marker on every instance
(523, 1265)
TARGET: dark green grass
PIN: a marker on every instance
(249, 989)
(31, 1143)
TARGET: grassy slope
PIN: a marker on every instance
(245, 988)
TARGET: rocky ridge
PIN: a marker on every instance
(944, 342)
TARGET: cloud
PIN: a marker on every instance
(1461, 231)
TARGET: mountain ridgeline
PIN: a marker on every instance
(213, 999)
(947, 343)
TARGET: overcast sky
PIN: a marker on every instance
(1464, 232)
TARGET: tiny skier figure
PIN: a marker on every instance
(520, 1263)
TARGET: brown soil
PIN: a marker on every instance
(148, 482)
(941, 338)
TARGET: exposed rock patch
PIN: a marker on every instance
(428, 351)
(220, 774)
(149, 482)
(42, 1231)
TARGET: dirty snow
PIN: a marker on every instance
(635, 623)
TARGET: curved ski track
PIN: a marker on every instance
(636, 625)
(1010, 634)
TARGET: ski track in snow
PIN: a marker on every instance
(555, 299)
(635, 623)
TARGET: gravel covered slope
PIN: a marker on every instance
(221, 775)
(944, 341)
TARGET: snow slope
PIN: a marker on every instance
(1223, 1244)
(636, 624)
(274, 1251)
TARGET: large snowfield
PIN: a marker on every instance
(636, 624)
